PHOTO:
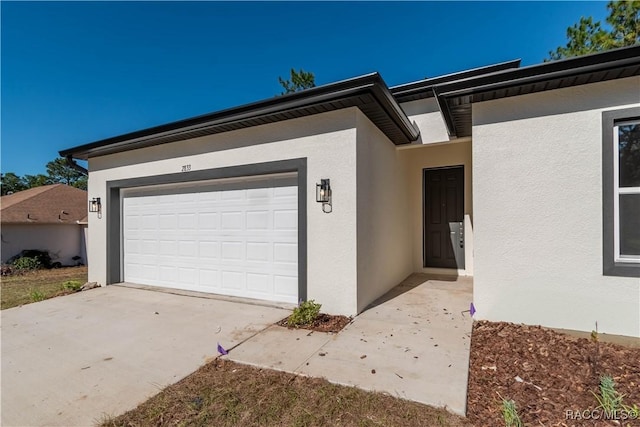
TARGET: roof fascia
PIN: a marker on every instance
(542, 72)
(367, 83)
(426, 85)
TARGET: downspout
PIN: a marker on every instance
(72, 163)
(446, 112)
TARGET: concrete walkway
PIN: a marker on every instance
(413, 343)
(67, 361)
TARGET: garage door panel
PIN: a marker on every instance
(258, 251)
(239, 242)
(208, 220)
(285, 219)
(283, 286)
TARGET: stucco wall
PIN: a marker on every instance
(537, 200)
(416, 160)
(328, 141)
(384, 234)
(425, 114)
(63, 241)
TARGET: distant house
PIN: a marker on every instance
(51, 218)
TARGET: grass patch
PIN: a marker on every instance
(224, 393)
(37, 285)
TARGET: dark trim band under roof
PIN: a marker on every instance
(455, 98)
(369, 93)
(424, 88)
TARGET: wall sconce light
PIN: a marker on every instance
(323, 195)
(95, 205)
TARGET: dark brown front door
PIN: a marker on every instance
(444, 217)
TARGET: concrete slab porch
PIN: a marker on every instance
(412, 343)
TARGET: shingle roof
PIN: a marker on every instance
(49, 204)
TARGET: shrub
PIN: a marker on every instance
(304, 314)
(28, 263)
(43, 258)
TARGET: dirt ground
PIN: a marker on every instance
(558, 373)
(224, 393)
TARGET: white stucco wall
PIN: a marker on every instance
(417, 159)
(327, 140)
(426, 115)
(537, 200)
(384, 233)
(62, 241)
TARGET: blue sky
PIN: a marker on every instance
(77, 72)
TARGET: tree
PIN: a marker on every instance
(11, 183)
(36, 180)
(59, 171)
(588, 36)
(300, 80)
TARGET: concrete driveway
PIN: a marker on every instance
(69, 361)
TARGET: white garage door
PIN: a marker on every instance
(238, 239)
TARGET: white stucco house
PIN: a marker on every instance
(524, 178)
(50, 218)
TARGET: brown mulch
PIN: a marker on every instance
(559, 374)
(323, 323)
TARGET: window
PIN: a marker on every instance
(621, 192)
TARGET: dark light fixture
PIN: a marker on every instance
(95, 205)
(323, 195)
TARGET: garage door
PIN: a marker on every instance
(237, 238)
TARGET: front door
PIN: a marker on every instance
(444, 217)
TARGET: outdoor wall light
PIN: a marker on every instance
(95, 205)
(323, 195)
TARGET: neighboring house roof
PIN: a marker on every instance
(48, 204)
(454, 93)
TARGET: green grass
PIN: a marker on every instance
(38, 285)
(510, 413)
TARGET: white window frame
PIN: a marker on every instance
(617, 191)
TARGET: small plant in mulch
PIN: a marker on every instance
(509, 412)
(611, 402)
(307, 316)
(304, 314)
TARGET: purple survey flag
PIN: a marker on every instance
(221, 350)
(472, 309)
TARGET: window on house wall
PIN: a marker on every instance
(621, 192)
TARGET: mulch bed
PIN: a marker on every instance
(558, 373)
(323, 323)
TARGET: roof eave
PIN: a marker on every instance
(266, 110)
(424, 88)
(474, 87)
